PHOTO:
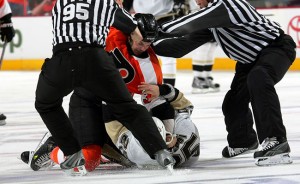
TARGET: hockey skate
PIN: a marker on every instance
(26, 156)
(2, 119)
(41, 157)
(199, 86)
(273, 151)
(213, 87)
(165, 159)
(229, 152)
(74, 164)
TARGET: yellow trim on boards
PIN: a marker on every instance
(223, 64)
(182, 64)
(26, 64)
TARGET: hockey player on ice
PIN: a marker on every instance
(160, 99)
(164, 11)
(186, 151)
(183, 139)
(7, 33)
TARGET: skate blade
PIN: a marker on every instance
(47, 165)
(199, 91)
(2, 122)
(170, 168)
(274, 160)
(76, 171)
(214, 90)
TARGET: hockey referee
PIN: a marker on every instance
(263, 54)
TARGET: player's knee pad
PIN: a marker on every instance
(91, 153)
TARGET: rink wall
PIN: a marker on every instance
(32, 42)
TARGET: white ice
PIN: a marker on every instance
(24, 129)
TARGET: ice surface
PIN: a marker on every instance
(25, 128)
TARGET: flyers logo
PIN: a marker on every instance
(294, 29)
(125, 68)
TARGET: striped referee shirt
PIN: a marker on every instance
(77, 22)
(237, 27)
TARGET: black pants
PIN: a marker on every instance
(255, 83)
(85, 116)
(93, 69)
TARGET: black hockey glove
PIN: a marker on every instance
(168, 92)
(180, 8)
(7, 31)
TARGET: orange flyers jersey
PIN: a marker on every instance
(134, 70)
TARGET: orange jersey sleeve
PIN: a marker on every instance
(128, 66)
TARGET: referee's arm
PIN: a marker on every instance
(211, 17)
(124, 22)
(177, 47)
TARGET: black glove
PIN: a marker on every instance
(180, 8)
(7, 30)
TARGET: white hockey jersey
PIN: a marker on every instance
(4, 8)
(185, 152)
(155, 7)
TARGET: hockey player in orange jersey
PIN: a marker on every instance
(141, 72)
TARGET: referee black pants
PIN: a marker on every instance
(254, 83)
(94, 70)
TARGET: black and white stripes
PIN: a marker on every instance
(238, 28)
(86, 21)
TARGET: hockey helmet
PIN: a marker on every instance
(147, 26)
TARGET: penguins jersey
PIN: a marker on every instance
(155, 7)
(186, 150)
